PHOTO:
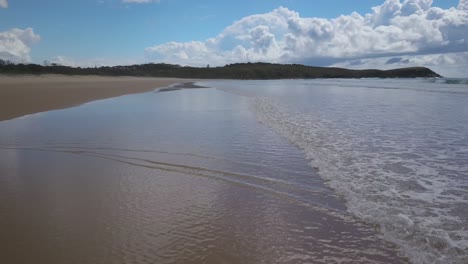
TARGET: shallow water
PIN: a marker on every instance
(186, 176)
(396, 150)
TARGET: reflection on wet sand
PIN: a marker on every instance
(157, 179)
(180, 86)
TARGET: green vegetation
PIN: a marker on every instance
(260, 71)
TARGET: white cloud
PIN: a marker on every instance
(446, 64)
(140, 1)
(463, 5)
(15, 44)
(395, 28)
(3, 3)
(92, 62)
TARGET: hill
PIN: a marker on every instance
(260, 71)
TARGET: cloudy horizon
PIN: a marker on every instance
(391, 35)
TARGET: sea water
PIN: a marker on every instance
(395, 149)
(289, 171)
(181, 176)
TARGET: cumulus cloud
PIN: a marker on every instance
(3, 3)
(15, 44)
(463, 5)
(446, 64)
(395, 28)
(139, 1)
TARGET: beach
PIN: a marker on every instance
(169, 176)
(279, 171)
(27, 94)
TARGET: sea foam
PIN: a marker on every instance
(412, 198)
(396, 168)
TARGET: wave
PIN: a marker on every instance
(288, 190)
(411, 198)
(448, 80)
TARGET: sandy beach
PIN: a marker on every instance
(23, 95)
(175, 176)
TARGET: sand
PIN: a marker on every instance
(178, 177)
(23, 95)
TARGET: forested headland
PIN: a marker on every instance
(248, 71)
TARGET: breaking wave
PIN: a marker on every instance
(412, 192)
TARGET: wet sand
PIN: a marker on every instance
(180, 86)
(23, 95)
(187, 176)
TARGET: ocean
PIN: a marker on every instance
(395, 150)
(283, 171)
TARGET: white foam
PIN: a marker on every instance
(414, 193)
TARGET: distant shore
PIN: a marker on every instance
(28, 94)
(238, 71)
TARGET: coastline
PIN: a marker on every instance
(24, 95)
(174, 172)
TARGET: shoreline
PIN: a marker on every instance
(180, 86)
(25, 95)
(180, 161)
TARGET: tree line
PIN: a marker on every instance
(259, 71)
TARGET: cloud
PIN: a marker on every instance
(15, 44)
(446, 64)
(398, 60)
(3, 3)
(139, 1)
(395, 28)
(93, 62)
(463, 5)
(249, 39)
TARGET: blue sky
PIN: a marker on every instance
(107, 32)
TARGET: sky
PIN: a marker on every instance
(360, 34)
